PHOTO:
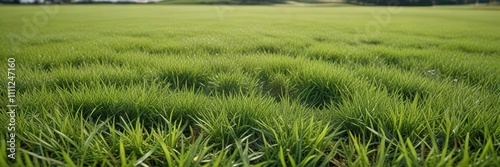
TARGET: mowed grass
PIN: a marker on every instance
(139, 85)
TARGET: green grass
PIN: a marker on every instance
(157, 85)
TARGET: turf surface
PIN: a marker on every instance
(158, 85)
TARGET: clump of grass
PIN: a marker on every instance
(330, 52)
(184, 75)
(302, 142)
(231, 83)
(320, 84)
(400, 83)
(232, 117)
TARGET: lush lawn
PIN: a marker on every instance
(113, 85)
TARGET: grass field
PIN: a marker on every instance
(158, 85)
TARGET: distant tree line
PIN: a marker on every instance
(418, 2)
(365, 2)
(39, 1)
(236, 2)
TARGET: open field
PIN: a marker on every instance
(124, 85)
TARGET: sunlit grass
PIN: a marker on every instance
(262, 86)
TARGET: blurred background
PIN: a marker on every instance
(252, 2)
